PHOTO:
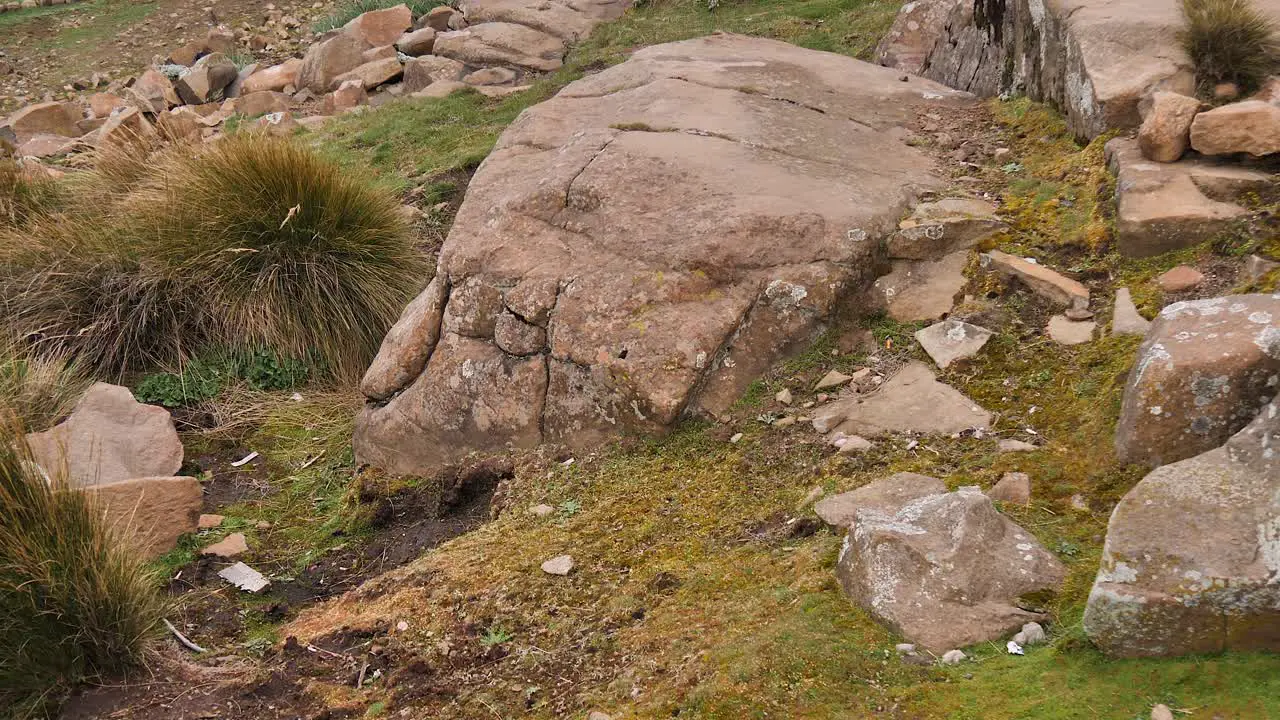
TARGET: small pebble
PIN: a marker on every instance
(559, 565)
(905, 648)
(1033, 634)
(783, 396)
(953, 657)
(542, 510)
(1161, 712)
(736, 437)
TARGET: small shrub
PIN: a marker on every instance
(205, 377)
(36, 391)
(1229, 41)
(75, 602)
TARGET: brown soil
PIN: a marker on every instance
(57, 53)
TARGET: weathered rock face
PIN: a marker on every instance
(206, 79)
(659, 303)
(1093, 59)
(1203, 372)
(911, 401)
(943, 569)
(917, 28)
(381, 27)
(50, 118)
(1190, 561)
(1162, 207)
(423, 71)
(108, 437)
(501, 43)
(273, 79)
(327, 60)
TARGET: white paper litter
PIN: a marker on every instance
(244, 577)
(1015, 648)
(245, 459)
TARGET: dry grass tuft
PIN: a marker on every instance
(37, 391)
(249, 243)
(22, 194)
(1229, 41)
(75, 602)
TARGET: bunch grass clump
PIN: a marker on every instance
(37, 391)
(1229, 41)
(249, 243)
(75, 601)
(23, 194)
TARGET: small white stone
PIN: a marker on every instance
(953, 657)
(736, 437)
(1161, 712)
(905, 648)
(559, 565)
(1014, 648)
(783, 396)
(1016, 446)
(402, 626)
(1033, 634)
(835, 378)
(855, 444)
(541, 510)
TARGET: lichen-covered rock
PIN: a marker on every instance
(916, 29)
(945, 570)
(911, 401)
(567, 20)
(1203, 372)
(1193, 552)
(666, 302)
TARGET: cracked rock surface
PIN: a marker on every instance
(645, 244)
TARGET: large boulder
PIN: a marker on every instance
(273, 79)
(502, 43)
(1162, 207)
(652, 304)
(1203, 372)
(1193, 552)
(568, 21)
(1096, 60)
(326, 60)
(108, 437)
(380, 27)
(944, 570)
(49, 118)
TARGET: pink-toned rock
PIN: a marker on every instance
(379, 53)
(327, 60)
(639, 330)
(233, 545)
(418, 42)
(43, 146)
(1166, 131)
(1047, 283)
(180, 125)
(500, 43)
(108, 437)
(206, 79)
(490, 76)
(568, 21)
(260, 103)
(381, 27)
(273, 79)
(102, 104)
(49, 118)
(915, 30)
(209, 521)
(348, 95)
(278, 124)
(153, 93)
(151, 512)
(1180, 278)
(1202, 373)
(372, 74)
(125, 126)
(441, 89)
(1252, 126)
(437, 18)
(1014, 487)
(423, 71)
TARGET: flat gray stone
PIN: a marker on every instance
(885, 495)
(916, 290)
(912, 401)
(559, 565)
(1065, 331)
(1125, 319)
(952, 340)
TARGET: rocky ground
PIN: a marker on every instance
(707, 573)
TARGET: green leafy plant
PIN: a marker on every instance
(75, 601)
(569, 508)
(205, 377)
(495, 635)
(1229, 41)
